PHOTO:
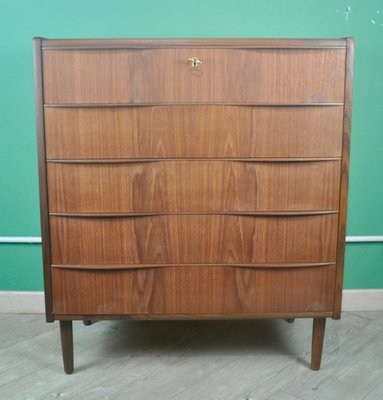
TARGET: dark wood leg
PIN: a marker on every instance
(66, 332)
(319, 325)
(87, 322)
(290, 320)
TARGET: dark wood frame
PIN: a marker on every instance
(87, 44)
(175, 42)
(343, 198)
(44, 214)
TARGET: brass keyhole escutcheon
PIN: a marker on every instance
(194, 61)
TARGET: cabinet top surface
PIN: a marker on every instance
(192, 42)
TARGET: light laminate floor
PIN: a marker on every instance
(198, 360)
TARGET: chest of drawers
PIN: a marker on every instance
(193, 178)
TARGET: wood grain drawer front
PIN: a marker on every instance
(165, 75)
(193, 131)
(178, 186)
(193, 290)
(193, 239)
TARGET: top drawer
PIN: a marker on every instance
(242, 76)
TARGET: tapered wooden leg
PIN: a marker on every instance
(87, 322)
(66, 332)
(290, 320)
(319, 325)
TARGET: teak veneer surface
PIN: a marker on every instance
(193, 131)
(201, 239)
(175, 191)
(148, 43)
(173, 186)
(165, 75)
(184, 290)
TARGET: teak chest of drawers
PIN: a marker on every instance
(193, 178)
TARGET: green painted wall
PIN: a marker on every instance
(20, 265)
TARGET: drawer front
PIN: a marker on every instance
(193, 239)
(166, 75)
(193, 290)
(193, 131)
(177, 186)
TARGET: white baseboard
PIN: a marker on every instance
(13, 302)
(362, 300)
(33, 302)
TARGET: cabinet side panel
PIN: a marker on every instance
(344, 176)
(39, 101)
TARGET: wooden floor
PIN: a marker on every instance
(192, 360)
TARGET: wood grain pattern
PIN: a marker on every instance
(343, 199)
(66, 334)
(191, 239)
(43, 190)
(165, 75)
(319, 325)
(193, 131)
(193, 42)
(194, 316)
(174, 186)
(178, 192)
(193, 290)
(197, 316)
(145, 266)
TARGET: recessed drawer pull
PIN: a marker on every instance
(194, 61)
(165, 213)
